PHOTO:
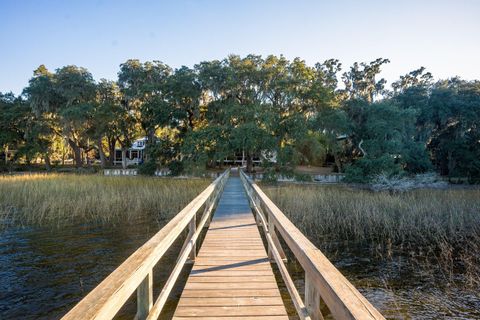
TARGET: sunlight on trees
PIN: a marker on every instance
(195, 117)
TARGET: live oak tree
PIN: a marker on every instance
(260, 106)
(76, 89)
(454, 115)
(284, 85)
(329, 121)
(13, 124)
(361, 80)
(234, 110)
(179, 117)
(107, 115)
(144, 90)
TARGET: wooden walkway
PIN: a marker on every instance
(232, 277)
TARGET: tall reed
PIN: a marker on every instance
(443, 225)
(57, 199)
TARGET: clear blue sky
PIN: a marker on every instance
(443, 36)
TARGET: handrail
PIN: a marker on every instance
(322, 280)
(135, 273)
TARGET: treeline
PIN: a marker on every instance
(297, 113)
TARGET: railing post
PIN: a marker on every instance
(257, 215)
(145, 297)
(276, 242)
(312, 299)
(192, 227)
(208, 203)
(271, 230)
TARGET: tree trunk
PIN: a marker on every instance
(338, 163)
(6, 154)
(249, 162)
(124, 158)
(111, 151)
(451, 163)
(77, 153)
(87, 158)
(191, 116)
(48, 166)
(100, 152)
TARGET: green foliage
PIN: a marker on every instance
(148, 168)
(195, 117)
(365, 169)
(415, 158)
(361, 83)
(312, 149)
(176, 168)
(303, 177)
(269, 176)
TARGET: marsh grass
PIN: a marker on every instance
(433, 227)
(62, 199)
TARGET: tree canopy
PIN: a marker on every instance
(262, 106)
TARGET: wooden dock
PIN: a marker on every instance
(232, 276)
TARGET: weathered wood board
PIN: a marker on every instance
(232, 277)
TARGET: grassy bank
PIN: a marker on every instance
(434, 227)
(64, 199)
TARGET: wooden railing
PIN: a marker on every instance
(323, 282)
(135, 273)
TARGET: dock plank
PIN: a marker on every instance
(232, 277)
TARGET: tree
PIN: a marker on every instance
(234, 109)
(143, 86)
(183, 95)
(361, 83)
(76, 89)
(63, 102)
(12, 123)
(412, 91)
(284, 86)
(386, 141)
(329, 120)
(244, 117)
(454, 115)
(44, 123)
(253, 105)
(105, 119)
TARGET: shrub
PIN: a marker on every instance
(303, 177)
(366, 169)
(269, 175)
(176, 168)
(147, 168)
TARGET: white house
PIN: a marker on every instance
(135, 154)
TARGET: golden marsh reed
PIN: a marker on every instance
(432, 226)
(57, 199)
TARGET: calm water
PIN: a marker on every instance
(44, 272)
(398, 289)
